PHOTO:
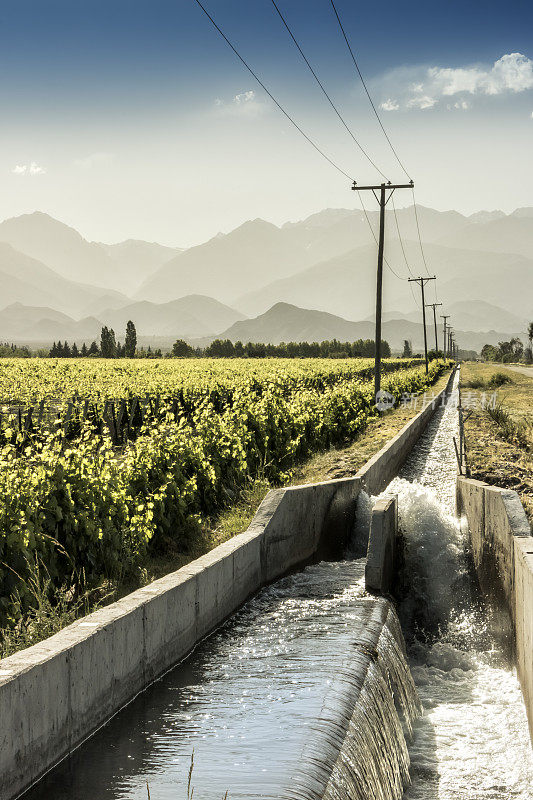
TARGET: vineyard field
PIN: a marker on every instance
(78, 505)
(27, 381)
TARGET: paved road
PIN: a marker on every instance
(523, 370)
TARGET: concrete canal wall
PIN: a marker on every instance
(55, 694)
(502, 549)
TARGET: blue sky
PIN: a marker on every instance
(135, 119)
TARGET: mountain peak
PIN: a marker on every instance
(256, 224)
(486, 216)
(524, 213)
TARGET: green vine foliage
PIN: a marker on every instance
(84, 507)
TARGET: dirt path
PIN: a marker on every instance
(523, 370)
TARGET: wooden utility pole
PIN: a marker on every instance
(382, 201)
(434, 306)
(421, 282)
(445, 317)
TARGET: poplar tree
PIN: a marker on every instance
(130, 343)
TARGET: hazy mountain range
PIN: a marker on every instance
(57, 285)
(287, 323)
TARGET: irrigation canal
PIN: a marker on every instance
(291, 698)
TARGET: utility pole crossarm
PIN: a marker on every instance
(357, 188)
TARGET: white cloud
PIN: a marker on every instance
(35, 169)
(98, 159)
(242, 104)
(424, 101)
(510, 73)
(390, 105)
(245, 97)
(28, 169)
(425, 87)
(462, 105)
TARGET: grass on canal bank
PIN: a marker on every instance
(499, 438)
(51, 613)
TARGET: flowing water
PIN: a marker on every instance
(472, 742)
(305, 693)
(305, 669)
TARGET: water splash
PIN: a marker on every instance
(472, 740)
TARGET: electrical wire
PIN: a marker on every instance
(418, 230)
(269, 93)
(386, 137)
(295, 124)
(400, 277)
(366, 90)
(404, 255)
(330, 101)
(400, 238)
(332, 104)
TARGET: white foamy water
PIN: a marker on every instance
(472, 741)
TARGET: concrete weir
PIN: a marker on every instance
(381, 559)
(56, 694)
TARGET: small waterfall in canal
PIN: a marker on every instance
(357, 747)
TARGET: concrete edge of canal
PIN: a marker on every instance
(502, 550)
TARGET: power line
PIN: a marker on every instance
(404, 254)
(330, 101)
(400, 238)
(385, 134)
(419, 236)
(366, 90)
(400, 277)
(269, 93)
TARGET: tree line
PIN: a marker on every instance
(109, 347)
(225, 348)
(510, 352)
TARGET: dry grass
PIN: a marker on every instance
(500, 440)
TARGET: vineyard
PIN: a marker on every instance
(81, 495)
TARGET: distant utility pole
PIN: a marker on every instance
(434, 306)
(382, 200)
(421, 282)
(450, 334)
(445, 317)
(453, 347)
